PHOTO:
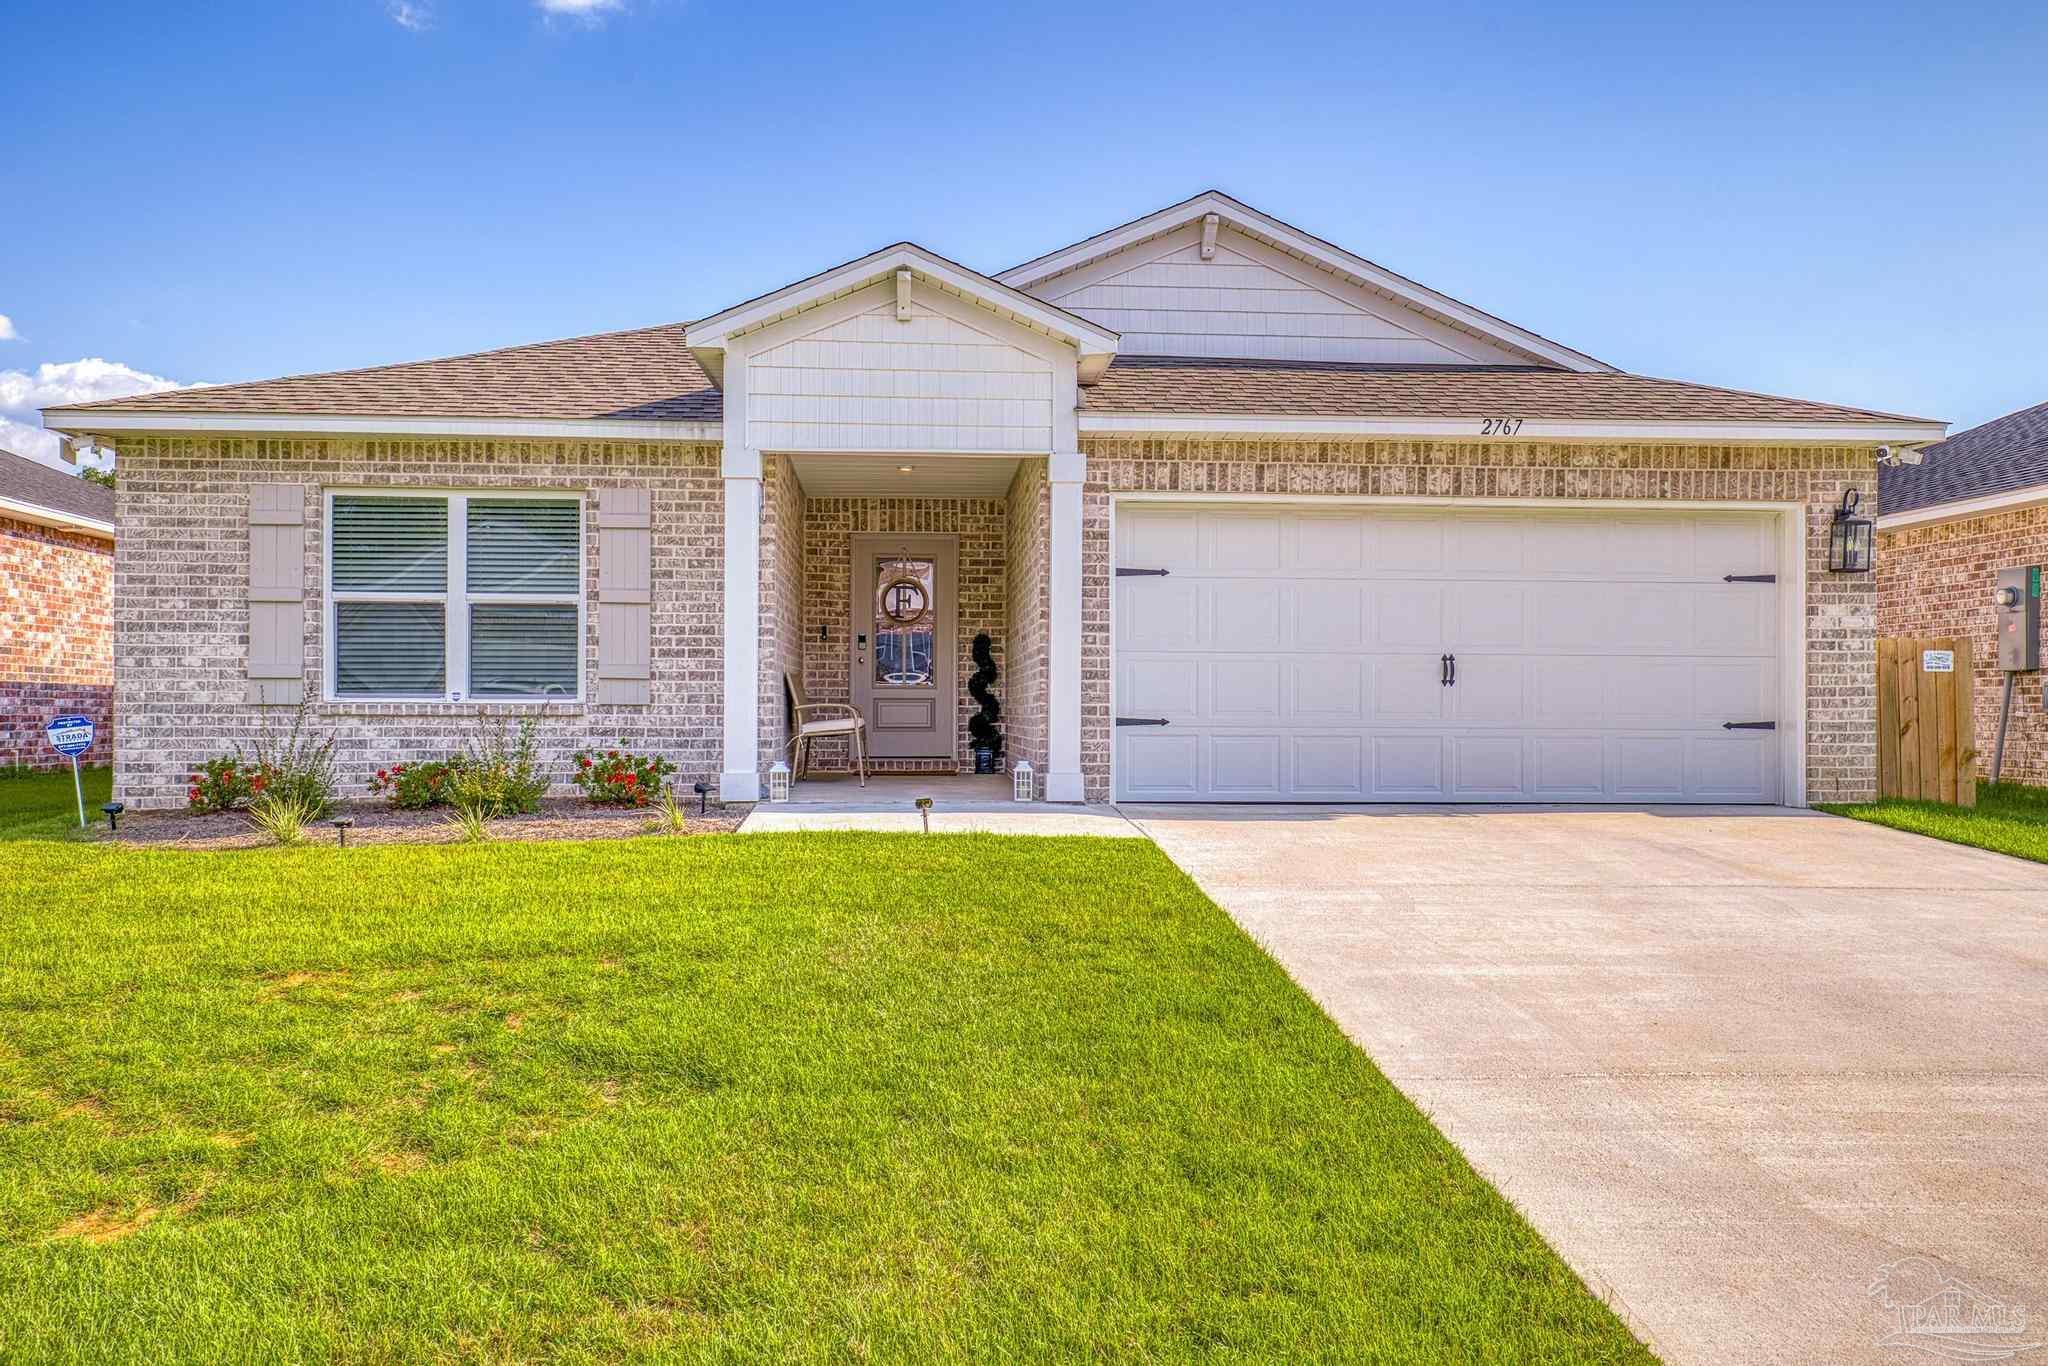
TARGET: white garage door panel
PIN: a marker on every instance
(1297, 655)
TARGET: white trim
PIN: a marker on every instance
(1792, 585)
(1963, 509)
(1312, 249)
(455, 598)
(604, 429)
(1534, 429)
(1065, 472)
(740, 778)
(42, 516)
(708, 338)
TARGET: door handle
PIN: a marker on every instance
(1450, 671)
(1443, 671)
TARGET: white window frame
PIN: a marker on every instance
(457, 600)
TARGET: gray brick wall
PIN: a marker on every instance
(181, 617)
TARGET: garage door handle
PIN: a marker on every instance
(1125, 573)
(1749, 578)
(1141, 721)
(1449, 672)
(1749, 725)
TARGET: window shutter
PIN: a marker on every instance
(277, 593)
(625, 596)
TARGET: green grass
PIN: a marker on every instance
(800, 1097)
(45, 806)
(2009, 819)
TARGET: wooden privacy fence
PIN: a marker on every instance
(1926, 731)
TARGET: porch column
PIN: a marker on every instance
(741, 780)
(1065, 472)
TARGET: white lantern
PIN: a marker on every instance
(1020, 780)
(778, 782)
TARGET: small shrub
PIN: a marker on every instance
(671, 818)
(223, 784)
(499, 774)
(414, 787)
(283, 818)
(619, 777)
(470, 825)
(296, 765)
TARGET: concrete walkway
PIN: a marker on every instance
(1732, 1063)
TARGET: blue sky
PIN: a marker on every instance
(1841, 202)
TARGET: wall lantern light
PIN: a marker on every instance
(1849, 539)
(778, 782)
(1020, 781)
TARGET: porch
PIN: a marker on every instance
(872, 579)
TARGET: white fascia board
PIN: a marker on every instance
(1093, 342)
(1963, 509)
(1325, 254)
(42, 516)
(270, 424)
(1472, 428)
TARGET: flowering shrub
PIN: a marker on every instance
(412, 787)
(619, 777)
(225, 784)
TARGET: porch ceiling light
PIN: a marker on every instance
(1849, 539)
(905, 469)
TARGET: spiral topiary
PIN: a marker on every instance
(983, 725)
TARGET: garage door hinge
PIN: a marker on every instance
(1749, 725)
(1749, 578)
(1124, 573)
(1141, 721)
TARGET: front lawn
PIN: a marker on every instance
(782, 1097)
(2009, 819)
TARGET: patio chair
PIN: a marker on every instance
(832, 718)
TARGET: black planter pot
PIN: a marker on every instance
(985, 760)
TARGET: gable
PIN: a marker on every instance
(866, 377)
(1249, 301)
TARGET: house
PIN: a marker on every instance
(56, 609)
(1246, 516)
(1976, 504)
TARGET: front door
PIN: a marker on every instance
(902, 638)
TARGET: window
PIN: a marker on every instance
(454, 596)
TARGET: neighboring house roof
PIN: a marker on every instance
(1176, 384)
(2004, 455)
(34, 490)
(645, 373)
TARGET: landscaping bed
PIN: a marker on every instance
(559, 818)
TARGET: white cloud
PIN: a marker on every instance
(78, 381)
(591, 10)
(405, 14)
(7, 332)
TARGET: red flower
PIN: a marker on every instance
(632, 778)
(612, 754)
(383, 775)
(256, 783)
(583, 760)
(398, 768)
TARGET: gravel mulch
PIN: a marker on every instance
(559, 818)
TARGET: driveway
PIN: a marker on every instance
(1733, 1063)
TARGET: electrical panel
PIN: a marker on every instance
(2017, 600)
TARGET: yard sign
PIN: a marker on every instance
(71, 736)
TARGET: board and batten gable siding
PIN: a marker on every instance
(1251, 301)
(183, 574)
(854, 376)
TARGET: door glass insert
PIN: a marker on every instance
(905, 624)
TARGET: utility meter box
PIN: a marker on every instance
(2018, 602)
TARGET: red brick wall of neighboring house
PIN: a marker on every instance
(56, 639)
(1937, 581)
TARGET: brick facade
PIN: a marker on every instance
(56, 639)
(1024, 689)
(782, 603)
(181, 580)
(980, 603)
(1937, 581)
(1841, 610)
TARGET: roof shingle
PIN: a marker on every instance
(1179, 384)
(23, 480)
(2004, 454)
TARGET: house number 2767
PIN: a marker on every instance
(1499, 426)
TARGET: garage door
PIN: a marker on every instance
(1323, 654)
